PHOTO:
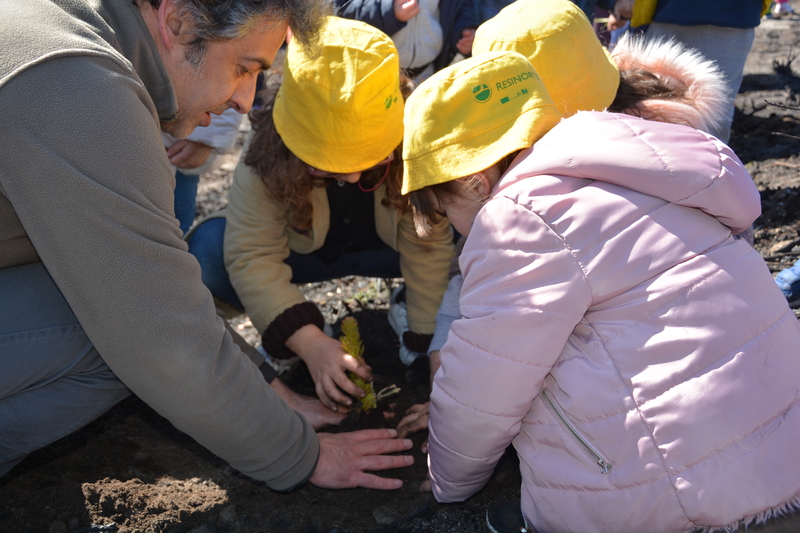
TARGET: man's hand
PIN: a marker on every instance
(317, 414)
(328, 365)
(405, 10)
(344, 458)
(188, 154)
(464, 45)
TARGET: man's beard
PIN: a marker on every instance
(179, 128)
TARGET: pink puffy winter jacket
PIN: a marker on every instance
(641, 360)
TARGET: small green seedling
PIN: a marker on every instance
(351, 344)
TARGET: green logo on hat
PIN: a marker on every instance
(389, 101)
(481, 93)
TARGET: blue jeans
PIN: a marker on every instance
(185, 199)
(206, 245)
(53, 380)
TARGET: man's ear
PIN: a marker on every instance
(170, 24)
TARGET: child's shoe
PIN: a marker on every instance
(398, 319)
(506, 517)
(788, 281)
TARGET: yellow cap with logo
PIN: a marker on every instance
(341, 110)
(561, 44)
(468, 116)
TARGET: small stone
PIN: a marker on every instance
(58, 527)
(228, 515)
(205, 528)
(383, 516)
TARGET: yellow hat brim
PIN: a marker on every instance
(561, 44)
(467, 117)
(341, 110)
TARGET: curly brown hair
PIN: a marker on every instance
(286, 177)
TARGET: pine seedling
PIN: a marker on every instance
(351, 344)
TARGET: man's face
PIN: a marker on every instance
(227, 77)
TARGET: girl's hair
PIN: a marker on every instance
(286, 177)
(425, 201)
(665, 81)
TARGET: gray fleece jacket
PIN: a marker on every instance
(86, 188)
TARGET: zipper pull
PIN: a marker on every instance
(605, 467)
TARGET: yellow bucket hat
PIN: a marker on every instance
(561, 44)
(468, 116)
(341, 110)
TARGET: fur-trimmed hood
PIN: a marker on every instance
(698, 80)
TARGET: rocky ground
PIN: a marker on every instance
(131, 471)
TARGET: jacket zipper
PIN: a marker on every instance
(605, 466)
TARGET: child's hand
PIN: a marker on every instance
(623, 10)
(434, 362)
(405, 10)
(328, 365)
(464, 45)
(615, 23)
(416, 420)
(188, 154)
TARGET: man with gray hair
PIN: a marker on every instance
(98, 294)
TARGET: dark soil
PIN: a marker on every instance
(132, 471)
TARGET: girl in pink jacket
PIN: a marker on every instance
(640, 359)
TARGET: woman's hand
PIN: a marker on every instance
(328, 365)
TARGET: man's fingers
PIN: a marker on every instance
(376, 463)
(344, 458)
(371, 481)
(381, 446)
(372, 434)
